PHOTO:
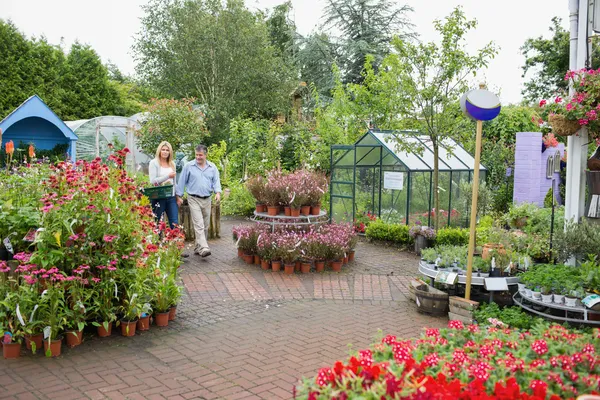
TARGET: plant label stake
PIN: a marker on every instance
(480, 105)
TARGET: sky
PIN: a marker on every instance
(110, 26)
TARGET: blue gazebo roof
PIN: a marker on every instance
(33, 121)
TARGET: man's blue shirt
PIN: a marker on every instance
(199, 181)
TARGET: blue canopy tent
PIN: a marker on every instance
(34, 122)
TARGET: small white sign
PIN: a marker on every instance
(393, 180)
(447, 277)
(495, 284)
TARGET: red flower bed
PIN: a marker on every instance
(548, 362)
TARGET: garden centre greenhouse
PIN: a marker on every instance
(395, 182)
(95, 134)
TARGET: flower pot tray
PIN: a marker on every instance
(540, 308)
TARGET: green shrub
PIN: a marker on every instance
(397, 233)
(238, 202)
(452, 236)
(514, 316)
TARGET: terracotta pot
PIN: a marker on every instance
(336, 266)
(276, 265)
(305, 268)
(289, 268)
(261, 208)
(345, 260)
(161, 319)
(240, 253)
(172, 313)
(320, 266)
(295, 212)
(485, 253)
(143, 323)
(248, 258)
(55, 347)
(287, 211)
(11, 350)
(34, 340)
(272, 210)
(297, 266)
(265, 264)
(128, 328)
(74, 338)
(104, 332)
(256, 259)
(315, 210)
(351, 256)
(305, 210)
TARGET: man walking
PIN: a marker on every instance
(202, 179)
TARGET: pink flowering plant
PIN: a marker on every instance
(467, 362)
(420, 230)
(550, 140)
(583, 106)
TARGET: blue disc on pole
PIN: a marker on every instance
(480, 104)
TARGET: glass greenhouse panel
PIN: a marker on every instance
(420, 197)
(339, 174)
(367, 190)
(343, 158)
(342, 189)
(393, 201)
(341, 209)
(368, 156)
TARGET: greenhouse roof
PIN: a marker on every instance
(395, 145)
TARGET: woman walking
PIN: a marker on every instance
(162, 172)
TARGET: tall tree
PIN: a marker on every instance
(88, 92)
(316, 57)
(366, 27)
(431, 78)
(547, 61)
(219, 52)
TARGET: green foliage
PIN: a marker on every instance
(502, 197)
(548, 59)
(175, 121)
(577, 240)
(512, 316)
(396, 233)
(238, 202)
(219, 52)
(452, 236)
(367, 28)
(75, 85)
(255, 147)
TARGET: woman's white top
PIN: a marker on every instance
(159, 175)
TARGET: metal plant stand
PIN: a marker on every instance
(544, 309)
(283, 220)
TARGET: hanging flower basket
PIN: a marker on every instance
(562, 126)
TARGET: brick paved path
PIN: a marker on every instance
(240, 333)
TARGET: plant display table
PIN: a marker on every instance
(284, 220)
(429, 271)
(545, 310)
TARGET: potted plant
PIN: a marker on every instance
(11, 326)
(256, 187)
(103, 302)
(174, 292)
(264, 249)
(423, 237)
(54, 315)
(162, 300)
(130, 311)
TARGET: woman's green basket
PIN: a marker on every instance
(158, 192)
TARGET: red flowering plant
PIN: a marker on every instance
(583, 107)
(467, 362)
(362, 220)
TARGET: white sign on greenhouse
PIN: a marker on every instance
(393, 180)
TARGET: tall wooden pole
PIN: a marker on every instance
(473, 210)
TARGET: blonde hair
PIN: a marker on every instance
(170, 157)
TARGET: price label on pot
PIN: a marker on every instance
(393, 180)
(8, 245)
(591, 301)
(47, 332)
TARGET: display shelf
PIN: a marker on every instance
(523, 302)
(429, 271)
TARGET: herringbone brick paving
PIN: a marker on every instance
(240, 333)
